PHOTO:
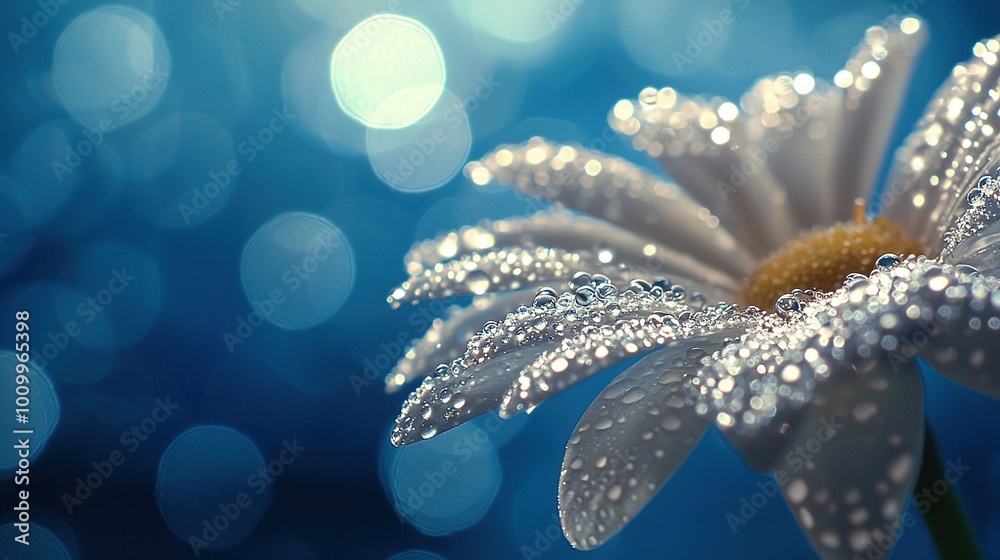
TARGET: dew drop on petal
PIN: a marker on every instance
(478, 282)
(428, 430)
(633, 395)
(887, 262)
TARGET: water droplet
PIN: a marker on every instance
(579, 280)
(639, 286)
(545, 298)
(615, 492)
(585, 295)
(445, 395)
(599, 280)
(425, 411)
(787, 304)
(976, 197)
(458, 401)
(478, 282)
(607, 291)
(671, 423)
(603, 423)
(539, 323)
(428, 430)
(887, 262)
(633, 395)
(854, 279)
(677, 291)
(966, 269)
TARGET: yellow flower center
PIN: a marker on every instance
(821, 259)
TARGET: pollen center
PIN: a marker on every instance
(820, 259)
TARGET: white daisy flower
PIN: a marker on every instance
(767, 216)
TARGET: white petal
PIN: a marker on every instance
(617, 191)
(873, 80)
(973, 234)
(630, 441)
(509, 268)
(852, 458)
(682, 133)
(447, 337)
(452, 398)
(945, 314)
(942, 158)
(958, 329)
(475, 382)
(611, 245)
(597, 349)
(792, 120)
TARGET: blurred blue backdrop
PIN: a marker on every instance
(204, 233)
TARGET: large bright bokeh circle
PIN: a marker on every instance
(110, 66)
(387, 71)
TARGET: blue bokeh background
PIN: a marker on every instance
(152, 361)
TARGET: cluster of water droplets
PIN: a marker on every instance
(503, 269)
(593, 307)
(781, 360)
(982, 210)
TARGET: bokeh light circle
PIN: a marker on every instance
(43, 405)
(110, 67)
(297, 270)
(446, 484)
(44, 544)
(212, 486)
(425, 155)
(387, 71)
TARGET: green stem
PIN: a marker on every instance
(947, 520)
